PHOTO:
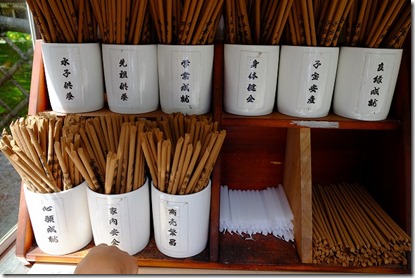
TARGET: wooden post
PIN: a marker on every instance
(297, 186)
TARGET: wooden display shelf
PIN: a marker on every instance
(259, 152)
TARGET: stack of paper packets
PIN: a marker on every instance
(256, 211)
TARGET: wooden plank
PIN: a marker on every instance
(252, 157)
(25, 237)
(38, 100)
(217, 94)
(297, 186)
(331, 121)
(217, 98)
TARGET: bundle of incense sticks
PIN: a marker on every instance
(34, 149)
(123, 22)
(187, 22)
(109, 156)
(374, 23)
(181, 153)
(256, 21)
(317, 23)
(351, 229)
(67, 21)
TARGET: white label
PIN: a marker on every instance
(252, 79)
(113, 222)
(173, 220)
(122, 62)
(375, 84)
(67, 71)
(186, 74)
(313, 80)
(51, 217)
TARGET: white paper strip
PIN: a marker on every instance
(251, 211)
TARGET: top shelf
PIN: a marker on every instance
(276, 119)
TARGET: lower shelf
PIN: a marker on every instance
(261, 253)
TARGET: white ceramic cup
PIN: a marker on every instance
(131, 77)
(306, 80)
(74, 76)
(250, 78)
(122, 220)
(185, 78)
(181, 222)
(365, 82)
(60, 220)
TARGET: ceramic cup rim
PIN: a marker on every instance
(70, 44)
(184, 196)
(60, 193)
(118, 195)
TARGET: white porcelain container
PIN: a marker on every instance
(74, 76)
(60, 220)
(181, 222)
(306, 80)
(250, 78)
(185, 78)
(122, 220)
(365, 82)
(131, 78)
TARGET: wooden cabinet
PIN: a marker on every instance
(276, 149)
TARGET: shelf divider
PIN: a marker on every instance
(297, 187)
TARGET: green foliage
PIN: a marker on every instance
(19, 37)
(9, 92)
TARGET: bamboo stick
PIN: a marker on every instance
(387, 23)
(189, 171)
(377, 20)
(340, 25)
(359, 24)
(149, 158)
(175, 165)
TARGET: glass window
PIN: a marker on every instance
(16, 54)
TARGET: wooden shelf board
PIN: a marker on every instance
(276, 119)
(270, 253)
(261, 253)
(106, 111)
(272, 120)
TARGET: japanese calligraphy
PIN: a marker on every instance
(122, 63)
(49, 217)
(113, 210)
(185, 98)
(317, 64)
(313, 89)
(377, 81)
(65, 62)
(185, 63)
(173, 225)
(114, 227)
(250, 98)
(123, 79)
(185, 75)
(53, 239)
(67, 84)
(51, 229)
(252, 75)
